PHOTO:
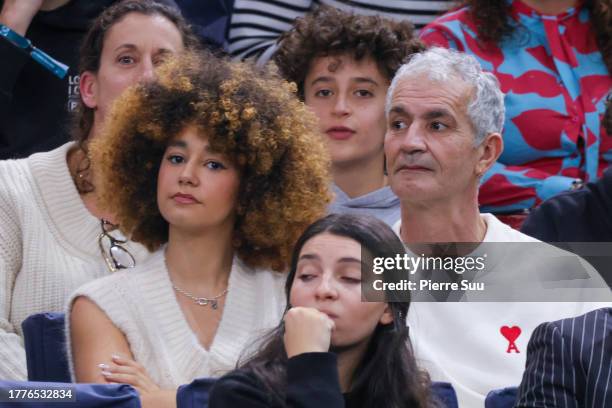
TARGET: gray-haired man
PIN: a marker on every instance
(445, 117)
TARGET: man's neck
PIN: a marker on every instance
(360, 178)
(442, 222)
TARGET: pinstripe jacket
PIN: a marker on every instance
(569, 363)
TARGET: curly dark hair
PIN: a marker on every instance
(493, 24)
(329, 31)
(252, 117)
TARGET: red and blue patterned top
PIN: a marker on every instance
(556, 83)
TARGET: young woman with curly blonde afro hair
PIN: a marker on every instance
(218, 168)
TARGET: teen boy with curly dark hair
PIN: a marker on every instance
(342, 64)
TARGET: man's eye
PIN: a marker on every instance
(438, 126)
(398, 125)
(323, 92)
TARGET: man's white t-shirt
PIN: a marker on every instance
(481, 346)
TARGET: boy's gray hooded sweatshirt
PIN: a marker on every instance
(382, 203)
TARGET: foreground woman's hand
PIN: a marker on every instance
(127, 371)
(307, 330)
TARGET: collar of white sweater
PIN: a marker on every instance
(67, 213)
(73, 226)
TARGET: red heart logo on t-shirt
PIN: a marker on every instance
(510, 333)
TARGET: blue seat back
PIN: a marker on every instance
(445, 393)
(45, 346)
(85, 395)
(194, 394)
(46, 356)
(501, 398)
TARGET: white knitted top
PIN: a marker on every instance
(143, 305)
(48, 247)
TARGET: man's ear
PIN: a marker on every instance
(88, 87)
(387, 316)
(489, 151)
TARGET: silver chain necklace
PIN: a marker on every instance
(202, 301)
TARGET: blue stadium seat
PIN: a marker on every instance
(45, 346)
(501, 398)
(85, 395)
(445, 393)
(45, 351)
(194, 394)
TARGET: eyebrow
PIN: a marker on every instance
(131, 47)
(350, 259)
(326, 79)
(365, 79)
(437, 113)
(399, 109)
(308, 256)
(182, 144)
(128, 46)
(346, 259)
(432, 114)
(177, 143)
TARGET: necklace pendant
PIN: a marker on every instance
(202, 301)
(213, 304)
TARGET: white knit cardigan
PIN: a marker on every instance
(142, 304)
(48, 247)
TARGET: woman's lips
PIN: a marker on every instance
(329, 314)
(184, 199)
(340, 133)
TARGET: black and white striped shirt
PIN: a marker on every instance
(257, 24)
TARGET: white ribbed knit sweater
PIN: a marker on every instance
(142, 304)
(48, 247)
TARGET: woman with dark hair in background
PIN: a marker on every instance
(332, 349)
(553, 60)
(53, 236)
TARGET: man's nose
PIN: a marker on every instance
(413, 140)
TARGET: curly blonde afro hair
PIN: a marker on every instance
(251, 116)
